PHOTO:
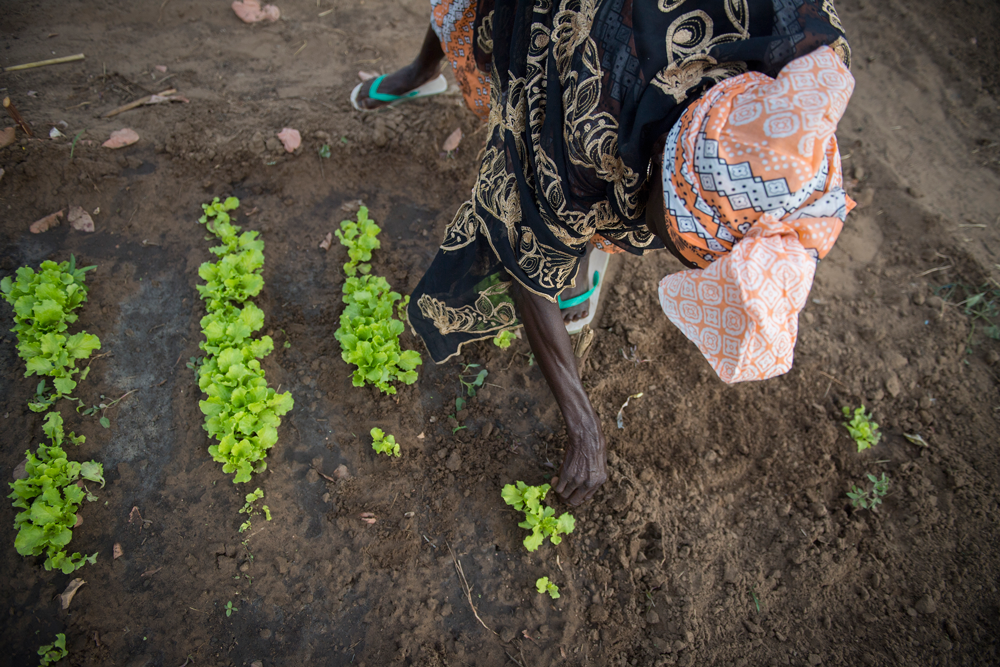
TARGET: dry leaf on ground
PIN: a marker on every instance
(325, 243)
(121, 138)
(367, 76)
(452, 142)
(21, 471)
(80, 219)
(290, 138)
(7, 136)
(250, 11)
(161, 68)
(116, 552)
(70, 591)
(352, 205)
(368, 518)
(46, 223)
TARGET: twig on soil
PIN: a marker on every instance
(12, 112)
(139, 102)
(300, 48)
(465, 586)
(513, 659)
(930, 271)
(830, 377)
(150, 573)
(161, 10)
(45, 63)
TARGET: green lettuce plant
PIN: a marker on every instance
(49, 497)
(538, 518)
(54, 652)
(384, 444)
(241, 412)
(543, 585)
(44, 302)
(862, 428)
(360, 239)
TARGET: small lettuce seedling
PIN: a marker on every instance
(249, 510)
(360, 239)
(503, 339)
(54, 652)
(543, 585)
(862, 428)
(384, 444)
(869, 498)
(538, 518)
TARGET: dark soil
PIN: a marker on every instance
(724, 536)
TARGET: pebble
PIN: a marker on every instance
(815, 659)
(265, 633)
(652, 617)
(341, 472)
(926, 605)
(918, 299)
(312, 476)
(282, 565)
(892, 385)
(952, 630)
(752, 627)
(935, 302)
(454, 461)
(257, 663)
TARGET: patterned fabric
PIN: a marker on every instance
(581, 92)
(753, 191)
(453, 21)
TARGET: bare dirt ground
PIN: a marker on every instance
(724, 536)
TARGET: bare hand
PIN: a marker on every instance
(584, 467)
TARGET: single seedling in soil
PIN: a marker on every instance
(470, 383)
(869, 498)
(249, 509)
(543, 585)
(230, 608)
(54, 652)
(324, 151)
(104, 407)
(862, 428)
(538, 518)
(384, 444)
(503, 339)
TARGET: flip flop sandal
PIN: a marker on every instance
(599, 264)
(433, 87)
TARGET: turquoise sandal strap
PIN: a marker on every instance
(385, 97)
(579, 298)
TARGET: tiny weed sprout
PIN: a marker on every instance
(43, 303)
(384, 444)
(869, 498)
(470, 382)
(324, 151)
(230, 608)
(249, 509)
(862, 428)
(503, 339)
(368, 333)
(241, 412)
(54, 652)
(543, 585)
(49, 498)
(538, 518)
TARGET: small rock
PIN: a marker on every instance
(731, 575)
(341, 472)
(780, 637)
(282, 565)
(265, 633)
(952, 630)
(312, 476)
(325, 497)
(935, 302)
(815, 659)
(454, 461)
(926, 605)
(321, 135)
(892, 385)
(911, 611)
(752, 627)
(652, 617)
(918, 299)
(257, 663)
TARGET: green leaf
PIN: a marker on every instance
(93, 471)
(105, 422)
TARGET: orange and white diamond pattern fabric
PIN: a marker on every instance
(453, 21)
(753, 192)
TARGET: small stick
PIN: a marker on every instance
(930, 271)
(465, 585)
(12, 112)
(44, 63)
(830, 377)
(138, 103)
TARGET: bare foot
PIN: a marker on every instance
(425, 67)
(583, 283)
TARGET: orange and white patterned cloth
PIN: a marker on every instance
(454, 23)
(753, 193)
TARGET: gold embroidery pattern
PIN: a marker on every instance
(488, 314)
(484, 36)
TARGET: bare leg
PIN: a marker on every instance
(420, 71)
(584, 467)
(583, 283)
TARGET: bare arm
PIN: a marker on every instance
(584, 467)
